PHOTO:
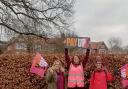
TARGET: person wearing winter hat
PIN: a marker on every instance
(100, 76)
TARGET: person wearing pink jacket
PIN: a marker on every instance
(100, 76)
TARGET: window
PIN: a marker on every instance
(102, 51)
(38, 47)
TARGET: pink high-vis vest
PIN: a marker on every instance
(76, 76)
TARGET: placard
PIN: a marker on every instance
(124, 71)
(82, 42)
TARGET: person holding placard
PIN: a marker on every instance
(75, 69)
(55, 76)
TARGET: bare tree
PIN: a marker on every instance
(35, 17)
(126, 49)
(115, 44)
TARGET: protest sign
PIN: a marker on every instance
(38, 65)
(82, 42)
(124, 71)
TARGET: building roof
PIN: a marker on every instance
(97, 45)
(27, 39)
(34, 40)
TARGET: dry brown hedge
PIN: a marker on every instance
(14, 70)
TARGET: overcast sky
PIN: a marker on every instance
(102, 19)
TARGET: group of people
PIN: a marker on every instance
(73, 75)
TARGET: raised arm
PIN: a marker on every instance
(86, 58)
(67, 59)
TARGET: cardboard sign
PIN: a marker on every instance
(41, 63)
(82, 42)
(38, 71)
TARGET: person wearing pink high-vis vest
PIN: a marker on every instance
(76, 71)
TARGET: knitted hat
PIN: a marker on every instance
(98, 60)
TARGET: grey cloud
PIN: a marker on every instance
(102, 19)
